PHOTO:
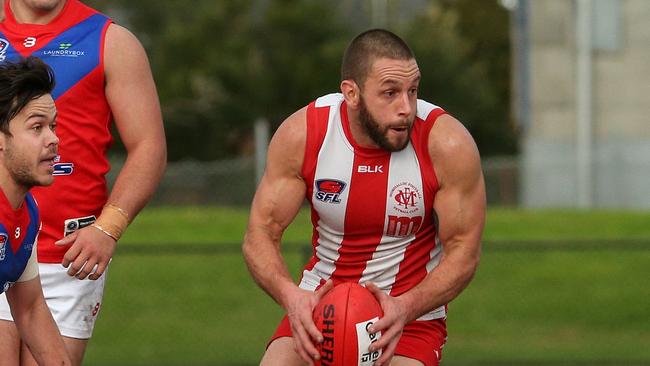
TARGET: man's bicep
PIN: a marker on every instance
(460, 202)
(276, 203)
(281, 191)
(461, 213)
(130, 88)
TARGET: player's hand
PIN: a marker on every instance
(300, 305)
(89, 249)
(390, 325)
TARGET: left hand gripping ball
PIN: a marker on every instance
(343, 316)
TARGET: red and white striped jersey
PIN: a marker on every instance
(372, 210)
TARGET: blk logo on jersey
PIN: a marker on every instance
(4, 45)
(329, 190)
(3, 245)
(370, 169)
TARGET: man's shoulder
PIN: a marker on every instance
(329, 100)
(425, 109)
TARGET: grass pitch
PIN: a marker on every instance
(553, 287)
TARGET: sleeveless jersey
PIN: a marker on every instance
(72, 44)
(18, 232)
(371, 209)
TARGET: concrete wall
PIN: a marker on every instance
(620, 113)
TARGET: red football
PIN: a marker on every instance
(343, 316)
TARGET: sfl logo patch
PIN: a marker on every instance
(329, 190)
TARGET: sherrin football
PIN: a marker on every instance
(343, 316)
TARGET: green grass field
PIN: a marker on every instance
(553, 287)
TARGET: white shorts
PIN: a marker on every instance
(74, 303)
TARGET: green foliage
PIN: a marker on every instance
(462, 49)
(221, 65)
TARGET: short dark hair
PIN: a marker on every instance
(22, 81)
(366, 48)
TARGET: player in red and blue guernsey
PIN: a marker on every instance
(28, 147)
(103, 76)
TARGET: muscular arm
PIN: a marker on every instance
(35, 323)
(460, 205)
(276, 203)
(132, 96)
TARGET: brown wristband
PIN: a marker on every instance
(112, 221)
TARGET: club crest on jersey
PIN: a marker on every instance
(4, 45)
(329, 190)
(3, 245)
(406, 198)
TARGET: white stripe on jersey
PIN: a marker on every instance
(423, 108)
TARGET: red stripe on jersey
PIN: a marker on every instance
(365, 210)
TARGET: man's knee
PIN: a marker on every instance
(404, 361)
(9, 344)
(281, 353)
(76, 349)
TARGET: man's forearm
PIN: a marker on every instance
(267, 267)
(443, 284)
(137, 181)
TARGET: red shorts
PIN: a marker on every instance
(421, 340)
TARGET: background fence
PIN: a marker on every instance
(232, 182)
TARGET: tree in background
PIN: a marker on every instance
(220, 65)
(463, 51)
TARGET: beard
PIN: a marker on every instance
(20, 171)
(379, 134)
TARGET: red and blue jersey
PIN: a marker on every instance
(73, 45)
(18, 232)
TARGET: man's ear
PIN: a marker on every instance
(351, 93)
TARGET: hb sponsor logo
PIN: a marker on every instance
(4, 45)
(403, 226)
(329, 190)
